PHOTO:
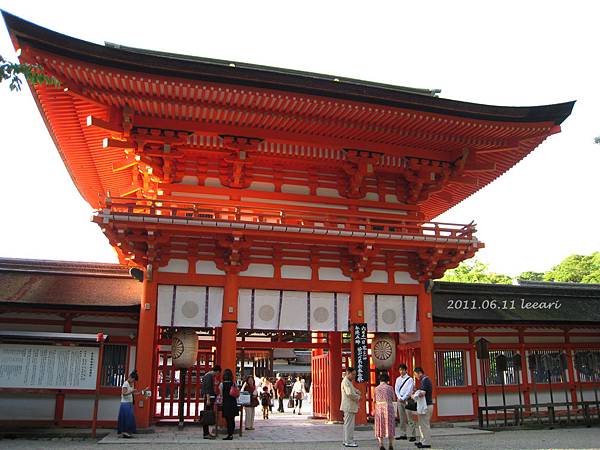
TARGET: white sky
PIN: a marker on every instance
(508, 53)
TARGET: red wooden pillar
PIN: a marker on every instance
(357, 315)
(228, 347)
(526, 385)
(570, 367)
(144, 359)
(335, 375)
(427, 360)
(473, 364)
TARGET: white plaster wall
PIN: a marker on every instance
(81, 407)
(175, 266)
(113, 319)
(208, 268)
(132, 353)
(259, 270)
(295, 189)
(332, 274)
(262, 186)
(588, 395)
(534, 339)
(450, 339)
(27, 406)
(499, 330)
(328, 192)
(501, 339)
(110, 331)
(454, 405)
(211, 182)
(585, 338)
(30, 327)
(296, 272)
(189, 179)
(495, 398)
(378, 276)
(394, 212)
(404, 278)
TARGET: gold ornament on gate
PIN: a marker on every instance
(184, 348)
(383, 351)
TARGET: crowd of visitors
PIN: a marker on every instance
(414, 407)
(411, 398)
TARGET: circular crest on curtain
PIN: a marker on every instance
(383, 351)
(184, 348)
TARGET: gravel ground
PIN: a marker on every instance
(530, 439)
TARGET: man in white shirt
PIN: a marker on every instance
(404, 388)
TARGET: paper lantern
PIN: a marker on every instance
(184, 348)
(383, 351)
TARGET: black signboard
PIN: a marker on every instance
(489, 307)
(361, 353)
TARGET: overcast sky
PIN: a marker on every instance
(504, 52)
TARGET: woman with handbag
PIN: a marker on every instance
(230, 408)
(298, 392)
(250, 387)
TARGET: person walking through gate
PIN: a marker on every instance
(385, 416)
(424, 398)
(230, 407)
(298, 393)
(280, 388)
(349, 406)
(404, 388)
(250, 410)
(209, 394)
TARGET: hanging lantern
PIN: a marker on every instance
(383, 351)
(184, 348)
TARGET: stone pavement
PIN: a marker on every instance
(287, 427)
(293, 432)
(521, 439)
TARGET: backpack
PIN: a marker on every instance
(264, 399)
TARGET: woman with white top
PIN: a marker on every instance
(126, 421)
(250, 387)
(298, 392)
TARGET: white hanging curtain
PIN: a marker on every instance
(261, 309)
(189, 306)
(391, 313)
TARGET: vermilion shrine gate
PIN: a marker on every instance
(263, 200)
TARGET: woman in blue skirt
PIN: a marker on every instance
(126, 417)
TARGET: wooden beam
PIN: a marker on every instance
(489, 151)
(92, 121)
(478, 166)
(116, 143)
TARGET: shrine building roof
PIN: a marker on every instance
(323, 114)
(66, 284)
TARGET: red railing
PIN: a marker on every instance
(288, 218)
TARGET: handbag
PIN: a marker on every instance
(411, 405)
(234, 391)
(291, 402)
(208, 417)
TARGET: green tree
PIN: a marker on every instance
(531, 276)
(10, 72)
(474, 271)
(576, 269)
